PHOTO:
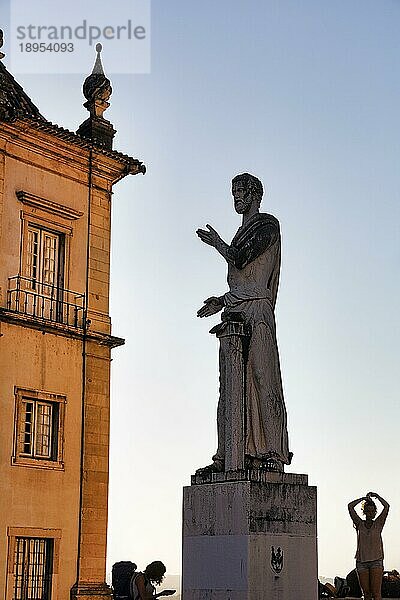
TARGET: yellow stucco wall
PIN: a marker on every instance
(39, 497)
(35, 357)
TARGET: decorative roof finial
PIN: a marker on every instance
(2, 55)
(97, 88)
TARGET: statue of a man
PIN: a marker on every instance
(253, 258)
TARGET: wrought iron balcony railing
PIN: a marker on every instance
(45, 301)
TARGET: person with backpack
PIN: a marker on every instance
(369, 555)
(141, 585)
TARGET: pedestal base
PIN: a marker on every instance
(250, 535)
(91, 591)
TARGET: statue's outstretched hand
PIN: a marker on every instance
(210, 237)
(211, 306)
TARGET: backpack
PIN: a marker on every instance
(342, 587)
(121, 578)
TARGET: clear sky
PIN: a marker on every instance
(306, 95)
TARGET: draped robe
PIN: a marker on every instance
(253, 278)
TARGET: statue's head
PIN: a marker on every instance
(246, 189)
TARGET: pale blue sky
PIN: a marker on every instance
(306, 96)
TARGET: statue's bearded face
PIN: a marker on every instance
(242, 197)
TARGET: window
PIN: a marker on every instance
(38, 428)
(33, 562)
(44, 257)
(40, 290)
(43, 273)
(39, 424)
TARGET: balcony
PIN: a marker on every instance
(45, 302)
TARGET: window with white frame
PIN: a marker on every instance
(40, 289)
(39, 424)
(43, 261)
(39, 428)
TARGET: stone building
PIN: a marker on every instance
(55, 343)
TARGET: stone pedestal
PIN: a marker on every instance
(249, 535)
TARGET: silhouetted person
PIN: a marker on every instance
(369, 555)
(142, 587)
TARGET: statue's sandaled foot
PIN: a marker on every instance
(272, 464)
(266, 463)
(217, 466)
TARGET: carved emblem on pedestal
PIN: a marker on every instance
(276, 559)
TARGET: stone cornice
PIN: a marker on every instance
(60, 151)
(48, 205)
(136, 166)
(103, 339)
